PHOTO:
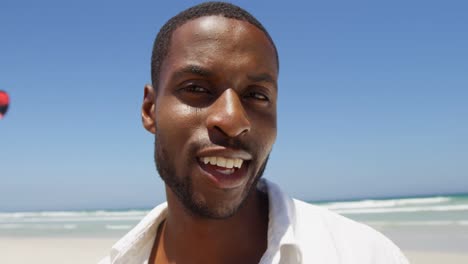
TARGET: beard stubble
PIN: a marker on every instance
(182, 186)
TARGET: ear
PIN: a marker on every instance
(148, 109)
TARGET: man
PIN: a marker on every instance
(212, 109)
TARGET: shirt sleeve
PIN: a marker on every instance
(388, 252)
(400, 258)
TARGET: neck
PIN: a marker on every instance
(241, 238)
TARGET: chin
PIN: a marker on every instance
(221, 207)
(198, 197)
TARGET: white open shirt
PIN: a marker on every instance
(298, 232)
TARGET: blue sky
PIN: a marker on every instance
(373, 100)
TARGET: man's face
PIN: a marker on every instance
(215, 113)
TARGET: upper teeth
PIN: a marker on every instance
(223, 162)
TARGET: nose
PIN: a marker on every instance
(227, 115)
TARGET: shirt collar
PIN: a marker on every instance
(295, 225)
(281, 226)
(135, 246)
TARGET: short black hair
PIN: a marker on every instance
(163, 39)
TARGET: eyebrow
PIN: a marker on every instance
(203, 72)
(192, 69)
(262, 77)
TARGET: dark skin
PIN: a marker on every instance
(218, 85)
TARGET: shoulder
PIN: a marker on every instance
(351, 240)
(135, 246)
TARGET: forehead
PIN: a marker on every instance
(215, 39)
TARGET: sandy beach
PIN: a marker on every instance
(47, 250)
(430, 257)
(14, 250)
(430, 244)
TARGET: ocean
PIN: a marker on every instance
(442, 211)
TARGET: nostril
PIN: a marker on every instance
(243, 132)
(220, 130)
(227, 134)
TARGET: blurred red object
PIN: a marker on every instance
(4, 102)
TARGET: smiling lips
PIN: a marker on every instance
(223, 162)
(223, 165)
(225, 172)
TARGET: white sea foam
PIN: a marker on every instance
(440, 208)
(444, 211)
(77, 216)
(72, 219)
(416, 223)
(387, 203)
(48, 227)
(122, 213)
(55, 214)
(119, 227)
(10, 226)
(38, 226)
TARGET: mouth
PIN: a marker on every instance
(223, 165)
(224, 172)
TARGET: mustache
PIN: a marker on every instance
(231, 143)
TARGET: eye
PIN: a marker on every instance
(257, 96)
(196, 94)
(194, 88)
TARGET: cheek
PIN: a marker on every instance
(176, 124)
(265, 127)
(175, 117)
